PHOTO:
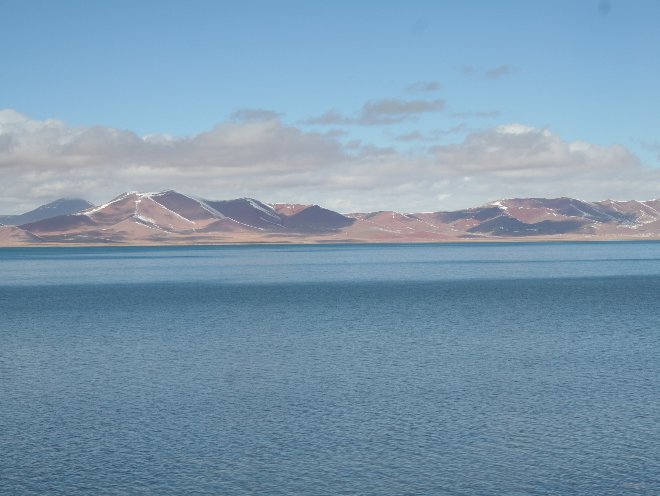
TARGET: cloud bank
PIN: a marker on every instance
(255, 153)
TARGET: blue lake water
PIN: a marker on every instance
(467, 369)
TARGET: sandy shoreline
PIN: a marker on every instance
(321, 241)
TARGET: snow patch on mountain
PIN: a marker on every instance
(256, 205)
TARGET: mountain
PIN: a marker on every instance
(540, 216)
(300, 218)
(315, 219)
(15, 236)
(170, 217)
(63, 206)
(288, 209)
(130, 217)
(248, 212)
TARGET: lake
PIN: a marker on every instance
(457, 369)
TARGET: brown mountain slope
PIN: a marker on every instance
(170, 217)
(15, 236)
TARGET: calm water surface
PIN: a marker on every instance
(494, 369)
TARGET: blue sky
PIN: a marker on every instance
(584, 71)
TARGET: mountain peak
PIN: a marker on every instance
(62, 206)
(169, 216)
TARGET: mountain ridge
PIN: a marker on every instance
(62, 206)
(170, 217)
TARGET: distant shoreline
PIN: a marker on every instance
(511, 241)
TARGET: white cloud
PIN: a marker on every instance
(499, 71)
(423, 87)
(392, 110)
(484, 114)
(516, 147)
(431, 136)
(491, 73)
(381, 112)
(265, 158)
(243, 115)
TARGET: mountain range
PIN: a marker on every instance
(63, 206)
(169, 217)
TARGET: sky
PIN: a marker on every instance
(353, 105)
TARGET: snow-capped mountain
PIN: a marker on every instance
(169, 217)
